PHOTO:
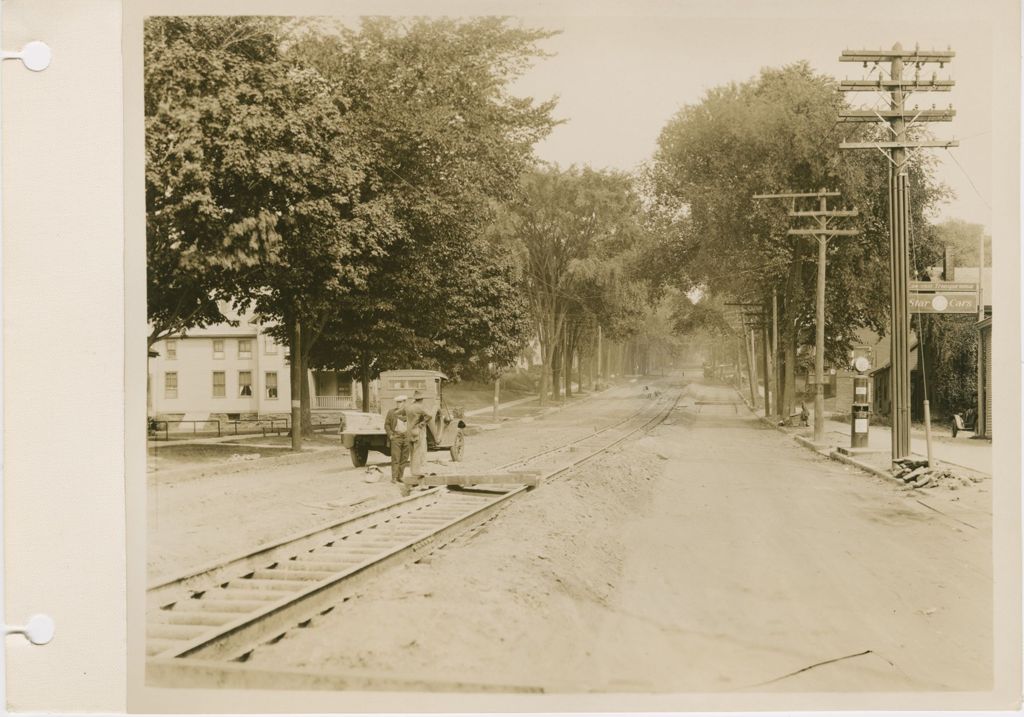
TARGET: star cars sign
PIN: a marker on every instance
(942, 297)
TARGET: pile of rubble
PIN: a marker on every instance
(916, 473)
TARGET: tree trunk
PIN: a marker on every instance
(592, 369)
(497, 397)
(306, 408)
(567, 356)
(556, 371)
(748, 351)
(545, 353)
(579, 370)
(364, 380)
(295, 366)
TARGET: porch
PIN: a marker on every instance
(333, 391)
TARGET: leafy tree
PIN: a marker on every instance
(777, 131)
(452, 306)
(572, 229)
(257, 183)
(204, 227)
(962, 237)
(431, 102)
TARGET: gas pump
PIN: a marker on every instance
(861, 408)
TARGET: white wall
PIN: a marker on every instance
(195, 364)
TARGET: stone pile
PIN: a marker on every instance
(916, 473)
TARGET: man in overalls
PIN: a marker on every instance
(416, 417)
(395, 427)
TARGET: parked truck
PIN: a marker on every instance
(364, 432)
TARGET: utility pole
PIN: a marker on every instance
(898, 119)
(766, 366)
(775, 353)
(750, 314)
(822, 232)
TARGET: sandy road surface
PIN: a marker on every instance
(193, 521)
(706, 556)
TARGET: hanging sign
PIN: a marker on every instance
(943, 297)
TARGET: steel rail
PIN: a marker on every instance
(236, 625)
(564, 446)
(168, 588)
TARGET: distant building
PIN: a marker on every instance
(232, 373)
(882, 401)
(881, 386)
(984, 419)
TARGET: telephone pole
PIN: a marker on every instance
(751, 316)
(895, 89)
(822, 232)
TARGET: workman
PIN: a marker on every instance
(395, 427)
(416, 418)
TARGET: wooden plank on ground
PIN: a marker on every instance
(466, 479)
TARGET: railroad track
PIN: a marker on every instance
(224, 610)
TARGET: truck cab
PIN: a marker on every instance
(363, 432)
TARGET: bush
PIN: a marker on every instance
(522, 381)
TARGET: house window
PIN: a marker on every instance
(218, 348)
(244, 348)
(270, 381)
(171, 384)
(269, 345)
(219, 384)
(172, 350)
(245, 383)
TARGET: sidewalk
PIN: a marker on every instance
(963, 451)
(501, 406)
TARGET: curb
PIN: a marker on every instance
(837, 456)
(812, 446)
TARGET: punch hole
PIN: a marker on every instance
(35, 55)
(38, 631)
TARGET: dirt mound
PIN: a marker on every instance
(536, 579)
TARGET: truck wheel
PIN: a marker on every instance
(358, 453)
(954, 429)
(458, 446)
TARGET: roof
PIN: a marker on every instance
(913, 358)
(247, 327)
(413, 372)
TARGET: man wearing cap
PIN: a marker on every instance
(416, 419)
(395, 427)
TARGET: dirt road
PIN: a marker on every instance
(710, 555)
(193, 521)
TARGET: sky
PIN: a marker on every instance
(620, 77)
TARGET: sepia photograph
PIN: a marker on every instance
(573, 353)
